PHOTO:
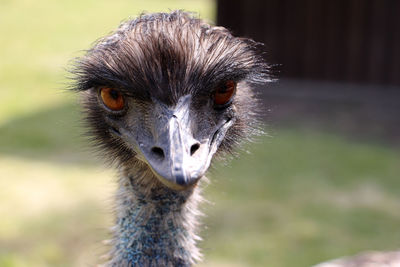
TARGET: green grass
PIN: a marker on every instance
(300, 197)
(39, 38)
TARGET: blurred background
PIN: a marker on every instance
(323, 183)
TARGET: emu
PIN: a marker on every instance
(163, 95)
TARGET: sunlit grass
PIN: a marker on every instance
(303, 197)
(52, 214)
(39, 39)
(270, 208)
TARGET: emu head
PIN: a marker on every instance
(167, 92)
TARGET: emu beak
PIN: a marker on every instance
(170, 148)
(174, 159)
(175, 156)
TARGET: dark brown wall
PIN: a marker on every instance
(346, 40)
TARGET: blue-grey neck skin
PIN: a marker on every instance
(155, 226)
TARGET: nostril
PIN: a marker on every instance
(158, 151)
(194, 148)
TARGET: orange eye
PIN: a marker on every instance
(112, 98)
(224, 93)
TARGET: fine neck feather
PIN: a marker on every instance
(155, 226)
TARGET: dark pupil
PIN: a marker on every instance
(114, 94)
(223, 89)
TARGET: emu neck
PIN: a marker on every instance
(155, 226)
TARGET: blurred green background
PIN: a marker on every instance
(301, 196)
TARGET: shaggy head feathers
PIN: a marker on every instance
(165, 56)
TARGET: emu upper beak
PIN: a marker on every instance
(170, 148)
(175, 156)
(177, 159)
(177, 150)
